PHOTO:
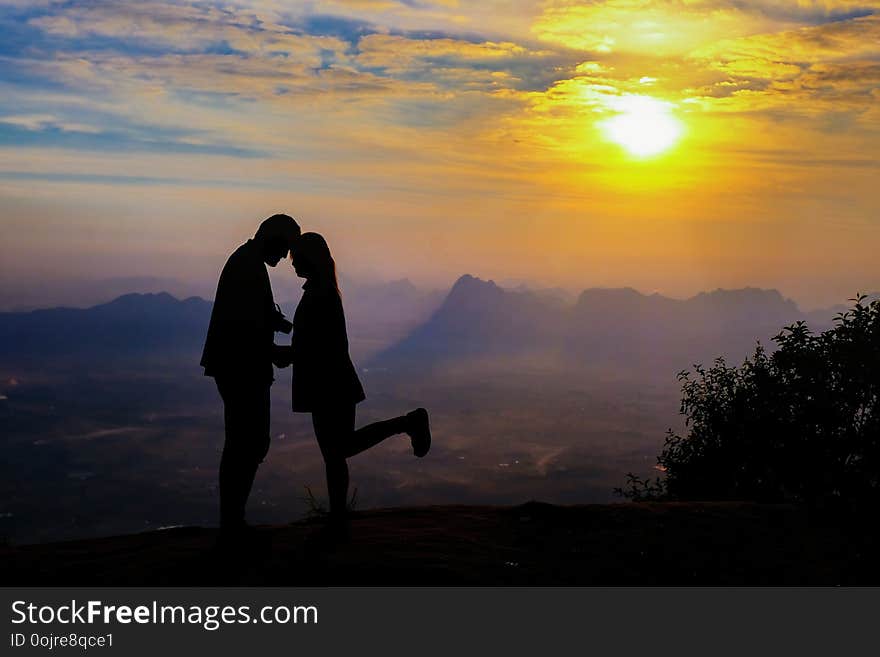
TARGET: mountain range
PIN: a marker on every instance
(604, 326)
(477, 319)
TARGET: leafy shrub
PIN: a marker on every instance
(800, 424)
(643, 490)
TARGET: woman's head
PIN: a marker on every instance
(311, 258)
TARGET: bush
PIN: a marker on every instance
(801, 424)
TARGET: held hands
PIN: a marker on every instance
(282, 355)
(281, 323)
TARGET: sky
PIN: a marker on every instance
(671, 146)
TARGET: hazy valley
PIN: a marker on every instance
(109, 426)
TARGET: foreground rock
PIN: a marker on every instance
(532, 544)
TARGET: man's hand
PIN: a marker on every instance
(282, 355)
(281, 323)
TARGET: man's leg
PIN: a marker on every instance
(246, 412)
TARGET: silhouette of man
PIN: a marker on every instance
(239, 352)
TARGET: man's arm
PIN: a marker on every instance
(241, 321)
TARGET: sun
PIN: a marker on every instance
(643, 125)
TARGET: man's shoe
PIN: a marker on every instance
(419, 431)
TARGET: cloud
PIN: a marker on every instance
(29, 4)
(853, 38)
(36, 122)
(458, 64)
(649, 27)
(384, 50)
(342, 79)
(815, 70)
(185, 28)
(348, 29)
(676, 27)
(811, 11)
(191, 73)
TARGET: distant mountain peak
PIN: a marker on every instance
(759, 299)
(402, 283)
(742, 292)
(142, 299)
(469, 287)
(131, 325)
(470, 279)
(196, 301)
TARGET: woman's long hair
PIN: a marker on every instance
(311, 249)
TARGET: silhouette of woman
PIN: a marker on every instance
(325, 382)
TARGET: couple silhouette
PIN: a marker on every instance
(240, 352)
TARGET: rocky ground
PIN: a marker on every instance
(531, 544)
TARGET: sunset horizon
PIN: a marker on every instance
(670, 147)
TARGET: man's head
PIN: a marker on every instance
(276, 236)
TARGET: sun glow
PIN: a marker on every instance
(644, 126)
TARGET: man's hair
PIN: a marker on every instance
(279, 226)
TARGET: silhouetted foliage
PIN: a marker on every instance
(801, 424)
(643, 490)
